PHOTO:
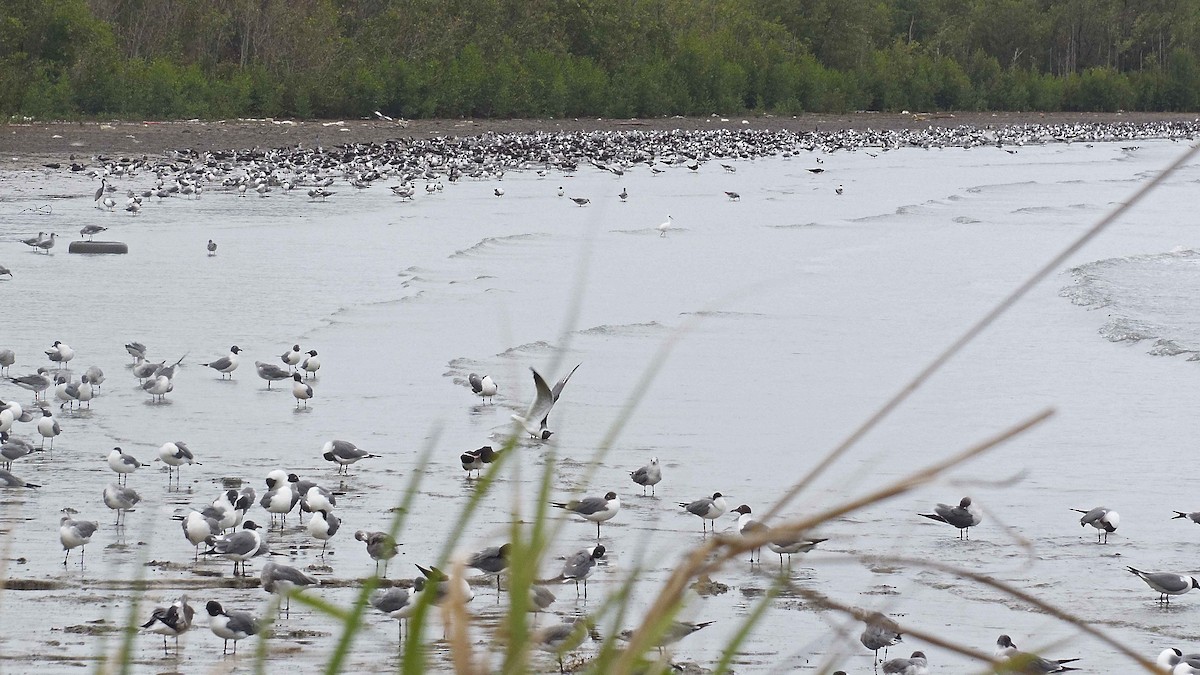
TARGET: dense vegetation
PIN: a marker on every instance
(450, 58)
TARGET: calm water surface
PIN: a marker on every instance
(794, 314)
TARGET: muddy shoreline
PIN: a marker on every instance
(26, 145)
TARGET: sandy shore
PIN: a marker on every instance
(31, 144)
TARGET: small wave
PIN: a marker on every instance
(796, 226)
(1127, 330)
(520, 350)
(621, 329)
(1036, 209)
(966, 220)
(490, 242)
(999, 187)
(1165, 347)
(721, 314)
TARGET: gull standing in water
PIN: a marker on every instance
(1104, 520)
(60, 353)
(322, 526)
(311, 364)
(381, 546)
(561, 638)
(120, 499)
(708, 509)
(212, 248)
(48, 428)
(239, 546)
(123, 463)
(880, 633)
(292, 357)
(748, 527)
(647, 475)
(226, 364)
(474, 460)
(398, 603)
(9, 480)
(301, 391)
(175, 454)
(75, 533)
(7, 357)
(95, 377)
(916, 664)
(271, 372)
(579, 567)
(37, 383)
(1166, 583)
(283, 580)
(344, 453)
(595, 509)
(230, 625)
(1025, 662)
(484, 387)
(198, 527)
(964, 516)
(491, 560)
(171, 621)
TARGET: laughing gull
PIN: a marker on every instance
(95, 376)
(540, 599)
(32, 242)
(301, 391)
(398, 603)
(579, 567)
(749, 527)
(647, 475)
(292, 357)
(880, 633)
(491, 560)
(14, 449)
(313, 497)
(171, 621)
(10, 481)
(1166, 583)
(913, 665)
(581, 200)
(664, 226)
(281, 496)
(674, 633)
(540, 408)
(73, 533)
(733, 196)
(47, 243)
(175, 454)
(442, 585)
(212, 248)
(473, 460)
(48, 428)
(36, 383)
(1104, 520)
(137, 350)
(226, 364)
(90, 231)
(964, 516)
(1025, 662)
(344, 453)
(198, 527)
(239, 546)
(230, 625)
(560, 639)
(144, 369)
(381, 546)
(595, 509)
(60, 353)
(158, 387)
(311, 364)
(76, 393)
(322, 526)
(791, 544)
(1171, 658)
(7, 358)
(271, 372)
(1194, 516)
(120, 499)
(123, 463)
(707, 509)
(484, 386)
(283, 580)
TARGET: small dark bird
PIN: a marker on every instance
(212, 247)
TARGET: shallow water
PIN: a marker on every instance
(792, 315)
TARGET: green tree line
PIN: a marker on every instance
(616, 58)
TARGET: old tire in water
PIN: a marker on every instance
(98, 247)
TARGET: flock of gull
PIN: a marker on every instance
(223, 527)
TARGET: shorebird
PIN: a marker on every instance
(75, 533)
(916, 664)
(301, 391)
(175, 454)
(484, 386)
(880, 633)
(543, 402)
(230, 625)
(381, 546)
(1104, 520)
(581, 200)
(90, 231)
(664, 226)
(344, 453)
(120, 499)
(473, 460)
(283, 580)
(239, 546)
(647, 475)
(964, 516)
(1166, 583)
(1024, 662)
(226, 364)
(270, 372)
(171, 621)
(212, 248)
(579, 567)
(595, 509)
(123, 463)
(311, 364)
(709, 508)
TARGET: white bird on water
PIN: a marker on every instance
(663, 227)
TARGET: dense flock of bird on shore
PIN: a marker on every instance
(223, 528)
